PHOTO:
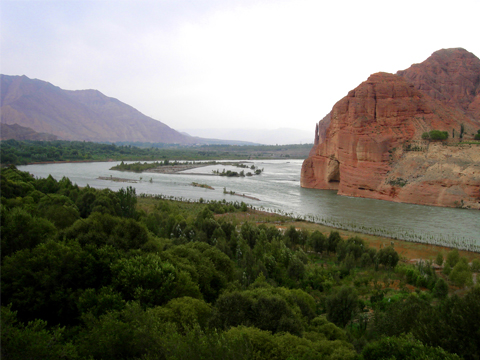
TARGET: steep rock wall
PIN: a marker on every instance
(367, 127)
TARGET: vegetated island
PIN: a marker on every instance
(116, 179)
(161, 167)
(204, 186)
(229, 173)
(217, 280)
(177, 167)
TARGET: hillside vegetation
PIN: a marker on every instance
(15, 152)
(97, 274)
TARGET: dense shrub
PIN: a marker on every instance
(435, 135)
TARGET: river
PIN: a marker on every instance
(278, 190)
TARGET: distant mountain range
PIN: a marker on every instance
(18, 132)
(279, 136)
(78, 115)
(33, 109)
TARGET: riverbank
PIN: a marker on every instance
(408, 250)
(69, 162)
(279, 192)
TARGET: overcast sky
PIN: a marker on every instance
(227, 63)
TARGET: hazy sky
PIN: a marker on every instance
(227, 63)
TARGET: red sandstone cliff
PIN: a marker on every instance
(365, 148)
(451, 76)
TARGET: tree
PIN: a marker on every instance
(333, 240)
(20, 230)
(365, 259)
(292, 235)
(101, 229)
(342, 306)
(439, 259)
(461, 274)
(296, 269)
(388, 256)
(272, 313)
(401, 317)
(233, 309)
(32, 341)
(435, 135)
(85, 201)
(99, 302)
(48, 185)
(250, 233)
(185, 312)
(477, 135)
(59, 209)
(475, 265)
(150, 280)
(438, 135)
(128, 200)
(208, 266)
(130, 333)
(42, 282)
(404, 347)
(453, 324)
(441, 289)
(317, 241)
(452, 258)
(106, 202)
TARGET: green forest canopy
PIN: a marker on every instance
(98, 274)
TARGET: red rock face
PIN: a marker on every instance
(371, 120)
(369, 130)
(451, 76)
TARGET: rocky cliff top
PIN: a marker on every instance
(451, 76)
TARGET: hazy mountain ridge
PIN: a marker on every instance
(92, 116)
(78, 115)
(18, 132)
(281, 136)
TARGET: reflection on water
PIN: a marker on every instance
(278, 189)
